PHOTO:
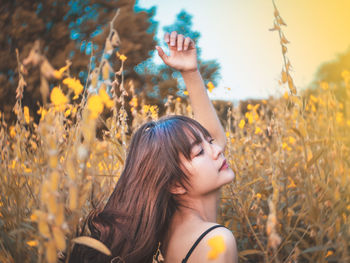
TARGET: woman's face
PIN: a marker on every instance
(208, 169)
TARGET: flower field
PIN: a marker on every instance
(290, 201)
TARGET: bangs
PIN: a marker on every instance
(182, 134)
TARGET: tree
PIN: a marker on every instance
(49, 32)
(331, 71)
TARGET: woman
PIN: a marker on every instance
(169, 188)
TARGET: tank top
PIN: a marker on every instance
(198, 240)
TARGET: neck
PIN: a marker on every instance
(203, 208)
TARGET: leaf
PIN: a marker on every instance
(291, 85)
(93, 243)
(284, 40)
(315, 158)
(313, 249)
(105, 71)
(249, 252)
(115, 39)
(59, 238)
(284, 76)
(284, 49)
(288, 65)
(280, 21)
(275, 27)
(51, 255)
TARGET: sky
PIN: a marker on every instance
(236, 34)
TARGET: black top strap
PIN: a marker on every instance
(197, 242)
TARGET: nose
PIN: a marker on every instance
(217, 150)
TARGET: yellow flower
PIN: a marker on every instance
(258, 130)
(249, 116)
(105, 98)
(26, 114)
(133, 102)
(250, 107)
(210, 86)
(217, 245)
(58, 98)
(32, 243)
(241, 124)
(186, 92)
(285, 95)
(284, 145)
(145, 108)
(95, 105)
(12, 131)
(74, 84)
(292, 184)
(291, 140)
(339, 117)
(121, 56)
(154, 111)
(313, 98)
(227, 134)
(34, 217)
(59, 73)
(329, 253)
(13, 164)
(258, 195)
(42, 112)
(27, 170)
(67, 113)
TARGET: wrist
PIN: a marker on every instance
(189, 71)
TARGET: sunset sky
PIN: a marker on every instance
(235, 32)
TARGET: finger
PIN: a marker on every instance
(161, 54)
(173, 38)
(167, 38)
(192, 44)
(187, 42)
(180, 42)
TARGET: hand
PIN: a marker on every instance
(183, 55)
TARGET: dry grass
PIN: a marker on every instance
(290, 201)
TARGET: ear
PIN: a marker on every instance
(177, 189)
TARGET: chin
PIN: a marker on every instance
(229, 176)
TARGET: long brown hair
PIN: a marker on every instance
(138, 213)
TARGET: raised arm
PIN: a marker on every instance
(183, 57)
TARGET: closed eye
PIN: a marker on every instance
(200, 153)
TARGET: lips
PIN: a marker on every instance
(224, 165)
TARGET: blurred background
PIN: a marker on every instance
(78, 77)
(238, 53)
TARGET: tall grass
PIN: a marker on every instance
(290, 201)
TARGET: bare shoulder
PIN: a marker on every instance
(219, 245)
